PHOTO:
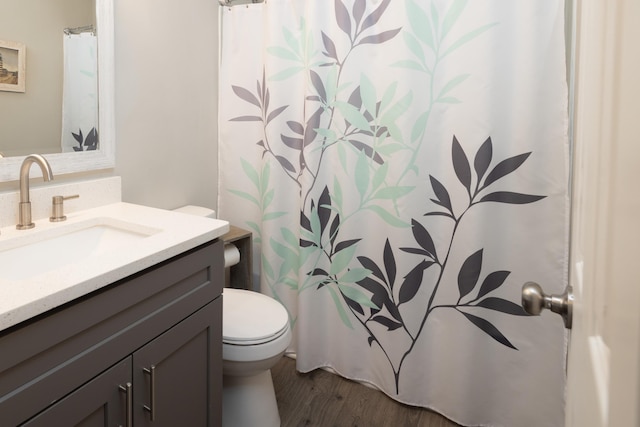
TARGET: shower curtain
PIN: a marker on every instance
(404, 169)
(80, 93)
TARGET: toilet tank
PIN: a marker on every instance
(197, 210)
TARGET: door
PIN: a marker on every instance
(177, 377)
(603, 367)
(102, 402)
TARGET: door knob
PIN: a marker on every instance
(534, 300)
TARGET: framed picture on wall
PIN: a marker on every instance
(12, 66)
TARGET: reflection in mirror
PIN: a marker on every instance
(80, 89)
(32, 120)
(68, 123)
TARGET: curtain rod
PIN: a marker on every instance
(79, 30)
(230, 3)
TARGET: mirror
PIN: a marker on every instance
(72, 161)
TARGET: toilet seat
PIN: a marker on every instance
(259, 341)
(254, 326)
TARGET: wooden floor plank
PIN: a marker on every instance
(322, 399)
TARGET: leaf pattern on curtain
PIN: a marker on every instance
(359, 123)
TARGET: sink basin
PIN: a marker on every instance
(56, 262)
(34, 254)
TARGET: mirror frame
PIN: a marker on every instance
(104, 158)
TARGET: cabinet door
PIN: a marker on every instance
(99, 403)
(177, 377)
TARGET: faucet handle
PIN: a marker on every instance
(57, 207)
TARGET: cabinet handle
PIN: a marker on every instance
(127, 389)
(151, 371)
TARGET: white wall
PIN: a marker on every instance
(166, 55)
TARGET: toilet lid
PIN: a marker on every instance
(251, 317)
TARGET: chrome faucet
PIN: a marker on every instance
(24, 208)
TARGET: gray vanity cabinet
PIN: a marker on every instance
(146, 346)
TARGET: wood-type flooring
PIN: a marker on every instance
(322, 399)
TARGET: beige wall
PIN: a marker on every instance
(166, 101)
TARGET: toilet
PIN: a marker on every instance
(255, 335)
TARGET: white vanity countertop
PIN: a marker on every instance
(170, 233)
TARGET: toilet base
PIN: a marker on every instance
(249, 401)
